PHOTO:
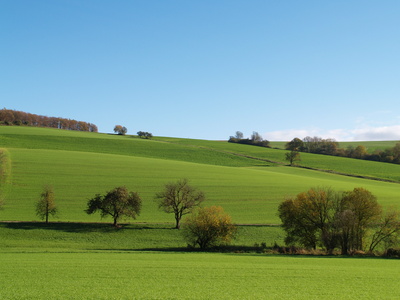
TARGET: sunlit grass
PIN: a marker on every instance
(132, 275)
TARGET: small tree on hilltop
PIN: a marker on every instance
(144, 134)
(239, 135)
(296, 144)
(180, 199)
(209, 226)
(118, 203)
(120, 129)
(46, 205)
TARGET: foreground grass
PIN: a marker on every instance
(83, 237)
(132, 275)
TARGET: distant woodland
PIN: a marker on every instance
(318, 145)
(19, 118)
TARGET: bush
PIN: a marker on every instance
(209, 226)
(392, 252)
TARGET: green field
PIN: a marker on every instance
(79, 165)
(125, 275)
(93, 260)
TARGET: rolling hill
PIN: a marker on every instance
(248, 181)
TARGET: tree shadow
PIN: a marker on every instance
(78, 227)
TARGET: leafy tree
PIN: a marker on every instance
(359, 152)
(298, 229)
(322, 216)
(309, 217)
(118, 203)
(209, 226)
(292, 156)
(120, 129)
(46, 205)
(365, 211)
(294, 145)
(180, 199)
(144, 134)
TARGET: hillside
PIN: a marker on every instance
(247, 181)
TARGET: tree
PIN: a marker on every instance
(295, 145)
(208, 226)
(180, 199)
(118, 203)
(331, 219)
(144, 134)
(387, 230)
(120, 129)
(239, 135)
(366, 212)
(309, 217)
(292, 156)
(256, 137)
(359, 152)
(46, 205)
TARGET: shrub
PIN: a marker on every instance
(209, 226)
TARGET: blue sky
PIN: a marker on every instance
(205, 69)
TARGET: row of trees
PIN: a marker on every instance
(122, 130)
(255, 139)
(144, 134)
(13, 117)
(207, 226)
(350, 221)
(331, 147)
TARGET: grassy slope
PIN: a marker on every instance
(249, 193)
(95, 261)
(322, 162)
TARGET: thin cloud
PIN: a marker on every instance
(360, 134)
(377, 134)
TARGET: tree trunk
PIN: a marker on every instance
(177, 223)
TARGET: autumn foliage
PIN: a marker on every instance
(349, 221)
(209, 226)
(13, 117)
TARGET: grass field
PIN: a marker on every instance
(128, 275)
(81, 257)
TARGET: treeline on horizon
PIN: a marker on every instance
(255, 139)
(318, 145)
(20, 118)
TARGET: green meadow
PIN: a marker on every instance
(146, 258)
(152, 275)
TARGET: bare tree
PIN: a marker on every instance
(292, 156)
(239, 135)
(180, 199)
(46, 205)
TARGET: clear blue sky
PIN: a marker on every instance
(205, 69)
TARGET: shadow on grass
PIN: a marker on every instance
(79, 227)
(220, 249)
